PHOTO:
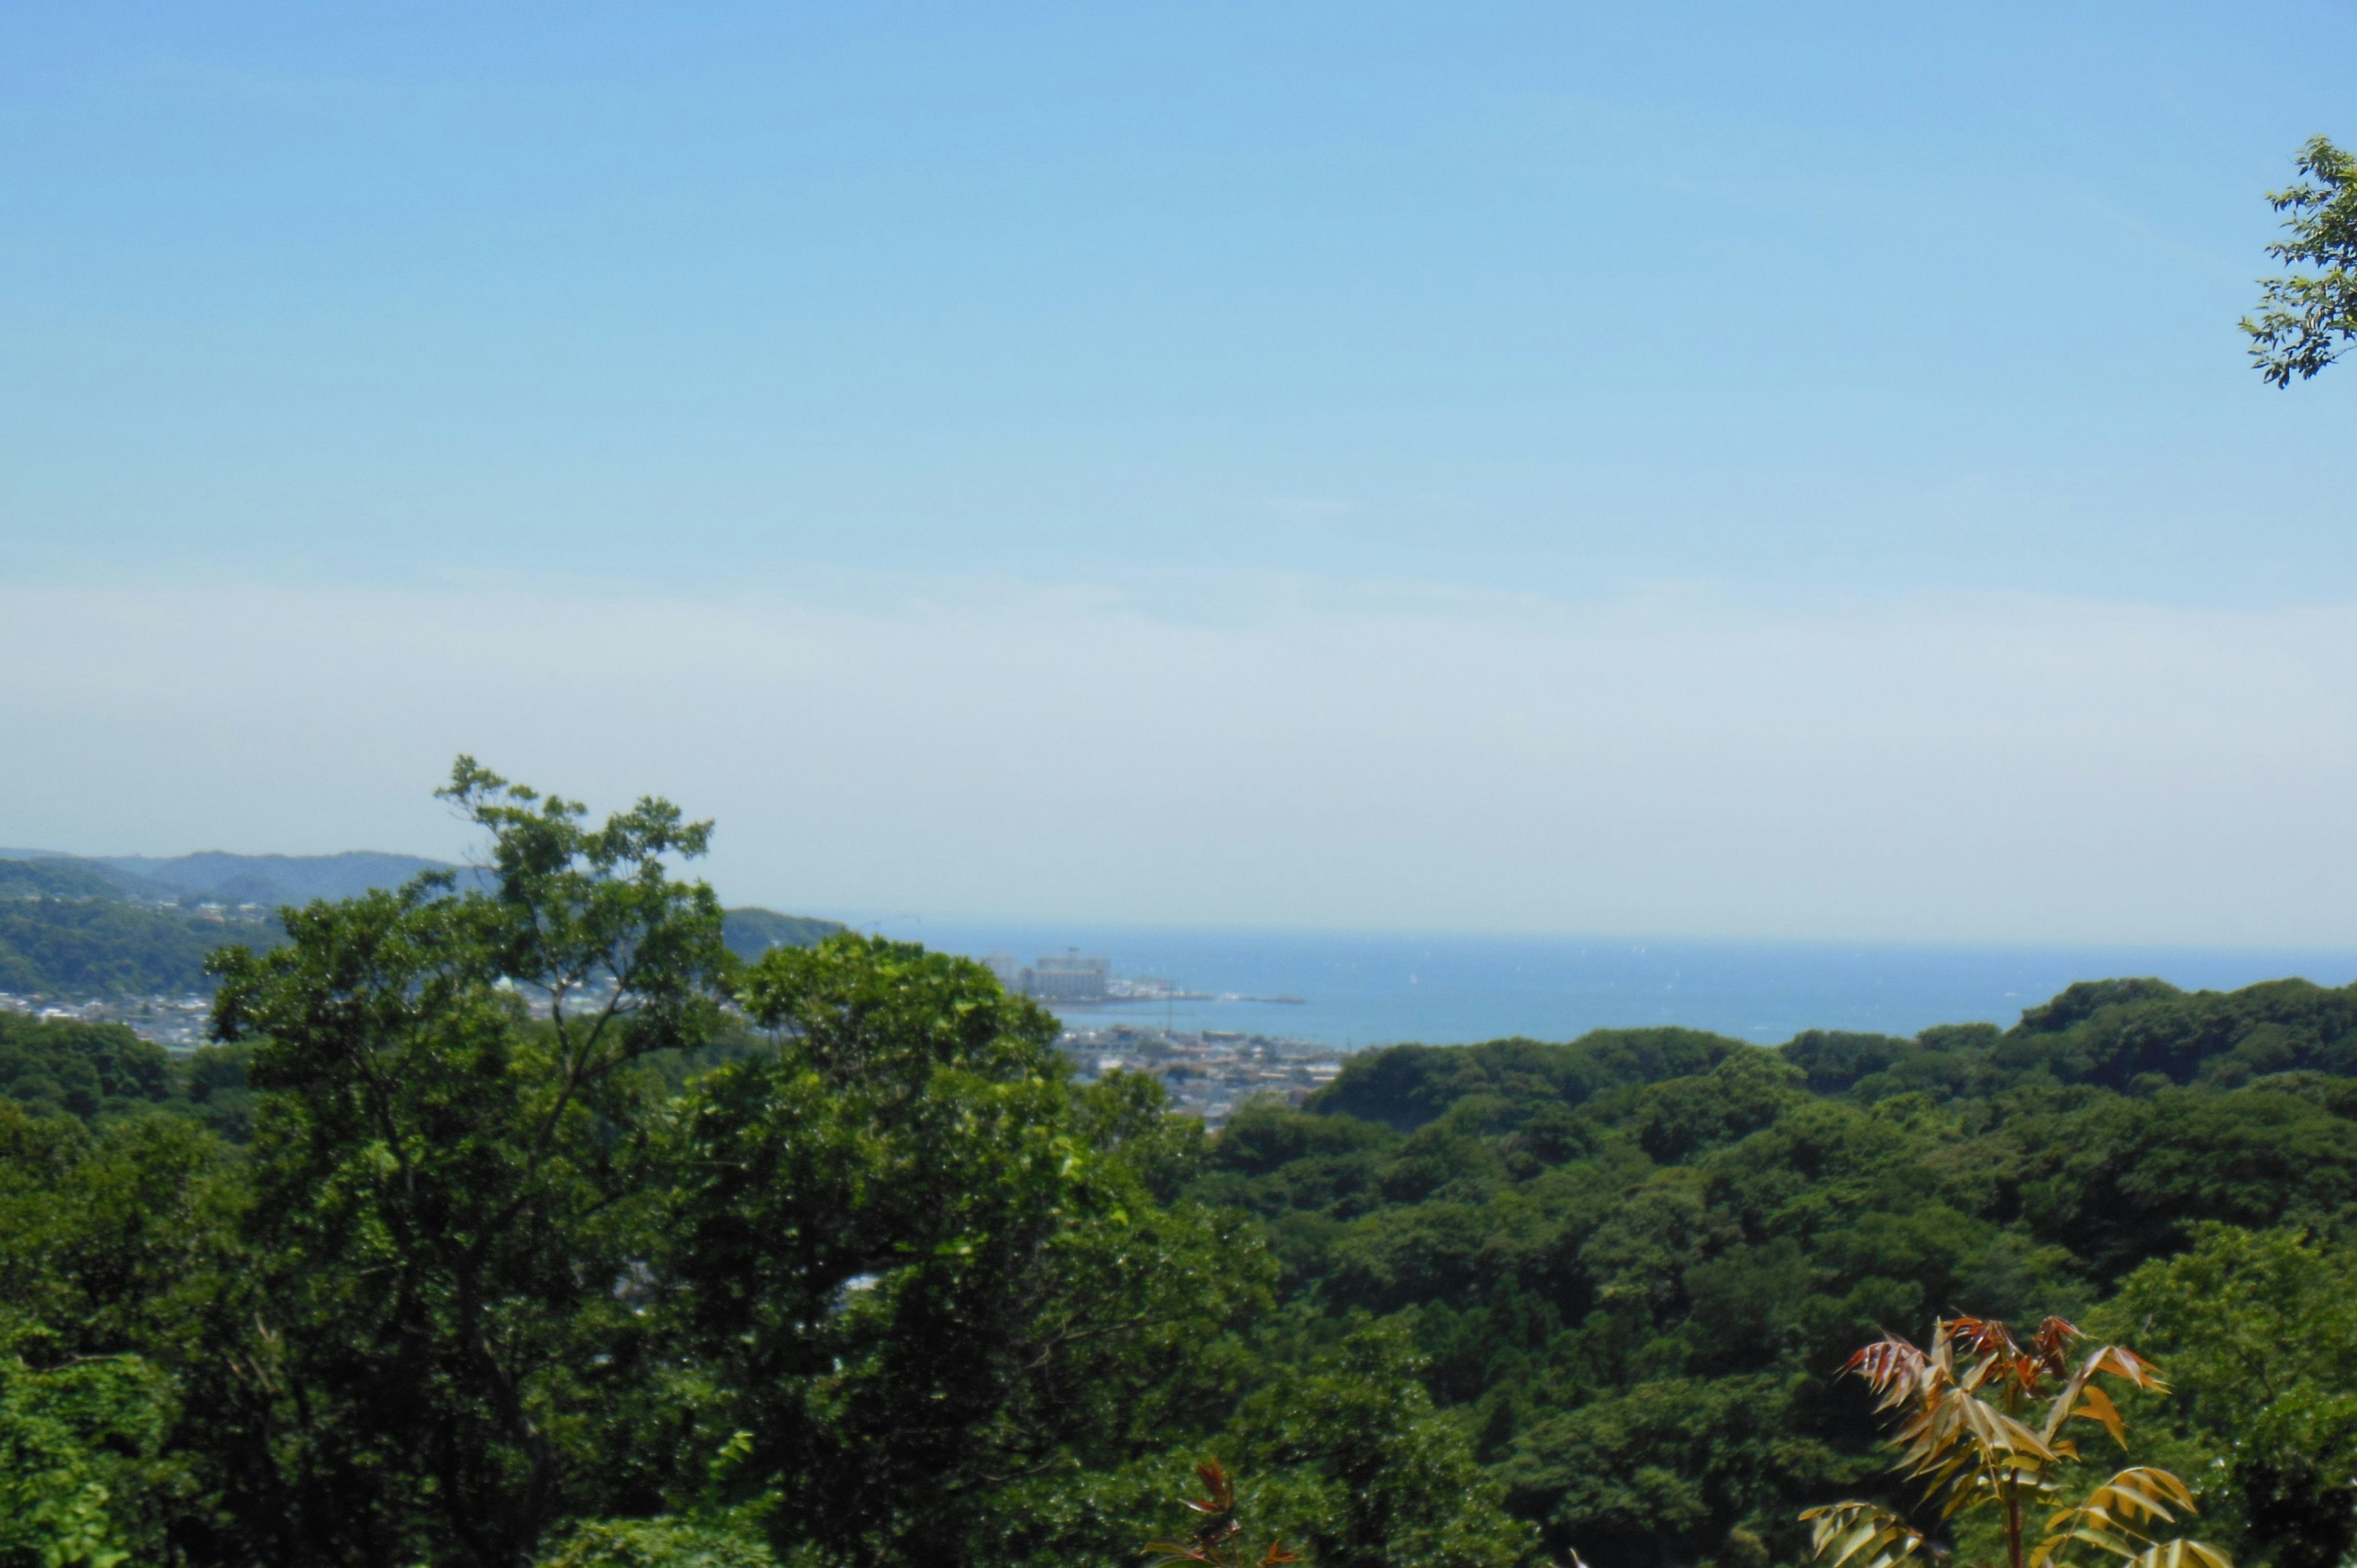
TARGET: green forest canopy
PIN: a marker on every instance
(857, 1272)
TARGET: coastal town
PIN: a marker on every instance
(1207, 1072)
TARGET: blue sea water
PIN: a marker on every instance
(1359, 989)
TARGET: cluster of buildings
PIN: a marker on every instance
(1207, 1072)
(1070, 978)
(175, 1023)
(1073, 980)
(219, 913)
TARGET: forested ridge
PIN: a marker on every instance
(823, 1256)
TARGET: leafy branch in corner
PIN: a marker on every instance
(1218, 1540)
(1964, 1432)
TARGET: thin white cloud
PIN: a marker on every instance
(1678, 761)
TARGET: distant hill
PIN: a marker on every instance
(751, 932)
(104, 946)
(122, 924)
(58, 877)
(274, 879)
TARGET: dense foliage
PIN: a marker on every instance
(521, 1221)
(88, 1070)
(1633, 1262)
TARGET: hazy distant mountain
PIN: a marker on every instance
(274, 878)
(227, 878)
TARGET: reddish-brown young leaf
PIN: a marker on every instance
(2054, 1344)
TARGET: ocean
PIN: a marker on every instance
(1358, 989)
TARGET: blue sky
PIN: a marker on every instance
(1707, 470)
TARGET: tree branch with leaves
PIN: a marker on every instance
(2307, 320)
(1982, 1424)
(1219, 1538)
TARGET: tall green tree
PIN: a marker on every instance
(923, 1271)
(2305, 320)
(444, 1197)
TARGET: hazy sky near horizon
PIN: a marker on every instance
(1707, 470)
